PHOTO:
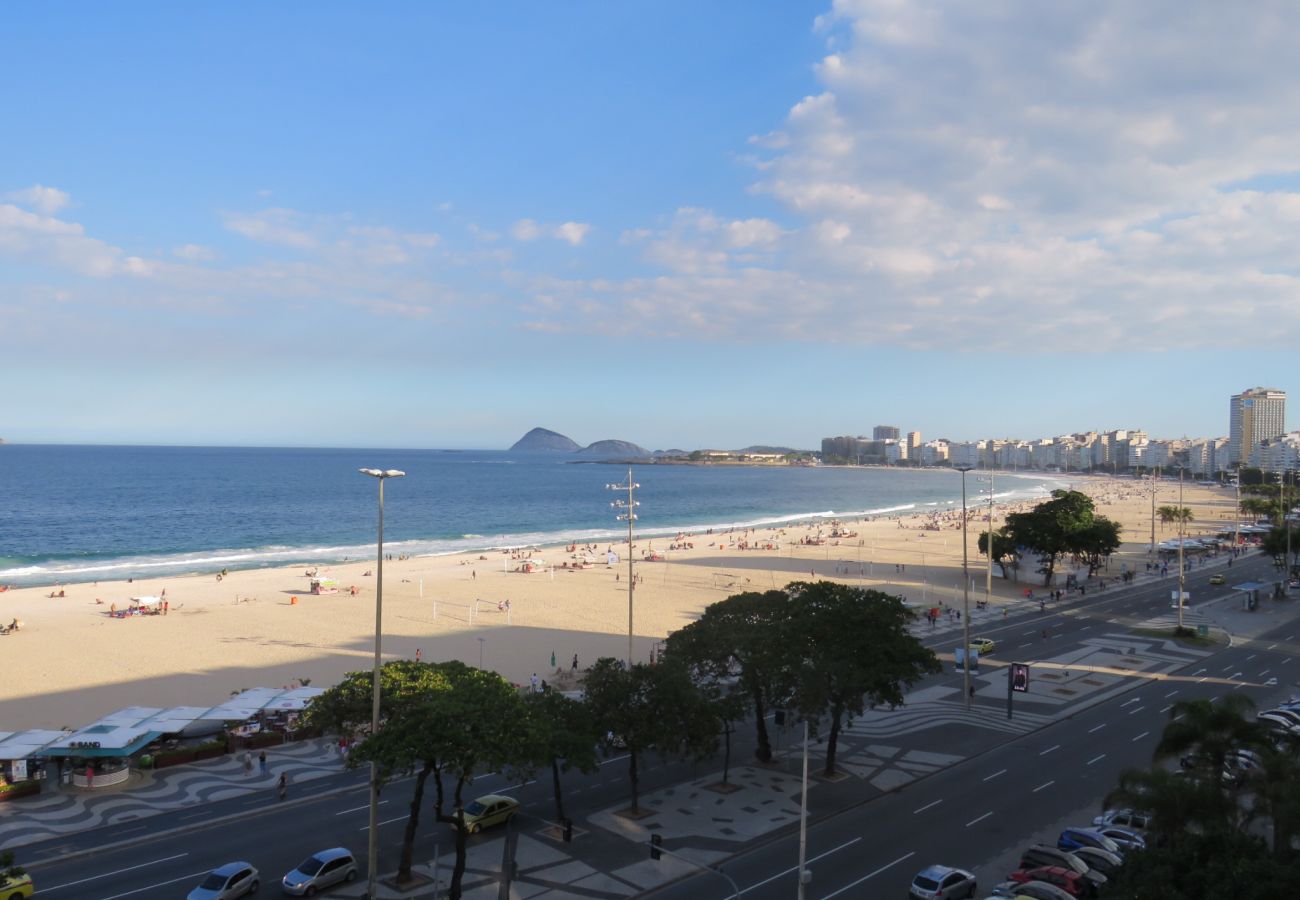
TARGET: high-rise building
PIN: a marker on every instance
(884, 433)
(1255, 415)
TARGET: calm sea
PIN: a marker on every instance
(77, 513)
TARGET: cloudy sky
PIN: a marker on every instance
(683, 224)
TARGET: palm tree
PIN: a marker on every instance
(1173, 801)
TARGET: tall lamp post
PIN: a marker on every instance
(628, 512)
(965, 590)
(1182, 571)
(372, 862)
(988, 572)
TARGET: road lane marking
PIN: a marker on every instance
(1140, 736)
(197, 815)
(358, 808)
(46, 890)
(796, 868)
(1023, 646)
(1170, 694)
(1098, 728)
(366, 827)
(1252, 656)
(1203, 679)
(996, 774)
(872, 874)
(1031, 632)
(1228, 666)
(1112, 621)
(1270, 646)
(1045, 784)
(1199, 671)
(927, 806)
(615, 759)
(1265, 672)
(1050, 749)
(1167, 708)
(980, 819)
(1285, 661)
(1133, 712)
(1096, 759)
(158, 885)
(1127, 702)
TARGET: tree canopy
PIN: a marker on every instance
(1065, 525)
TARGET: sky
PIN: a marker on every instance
(683, 224)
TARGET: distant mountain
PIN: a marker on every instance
(659, 453)
(543, 439)
(616, 449)
(763, 448)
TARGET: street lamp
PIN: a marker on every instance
(372, 862)
(988, 574)
(628, 512)
(965, 590)
(1182, 572)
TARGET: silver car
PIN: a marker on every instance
(227, 882)
(319, 871)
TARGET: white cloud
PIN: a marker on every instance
(573, 233)
(34, 237)
(44, 200)
(283, 227)
(194, 253)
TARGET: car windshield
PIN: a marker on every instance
(311, 865)
(924, 883)
(475, 808)
(213, 882)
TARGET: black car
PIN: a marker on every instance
(1099, 860)
(1039, 855)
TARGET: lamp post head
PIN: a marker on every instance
(382, 473)
(963, 468)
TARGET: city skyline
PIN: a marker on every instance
(676, 225)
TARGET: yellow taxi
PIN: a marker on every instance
(489, 810)
(13, 887)
(1218, 579)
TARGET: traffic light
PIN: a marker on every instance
(1020, 677)
(656, 841)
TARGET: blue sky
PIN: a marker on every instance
(681, 224)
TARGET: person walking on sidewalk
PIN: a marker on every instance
(282, 786)
(247, 760)
(261, 762)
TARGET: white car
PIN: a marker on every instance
(227, 882)
(942, 883)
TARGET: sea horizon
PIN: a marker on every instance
(83, 513)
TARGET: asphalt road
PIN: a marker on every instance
(972, 812)
(959, 816)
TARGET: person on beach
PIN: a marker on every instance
(575, 662)
(282, 786)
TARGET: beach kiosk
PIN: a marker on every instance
(21, 761)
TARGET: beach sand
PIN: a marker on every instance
(72, 663)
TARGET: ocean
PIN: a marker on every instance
(89, 513)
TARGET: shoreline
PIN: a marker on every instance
(72, 663)
(207, 562)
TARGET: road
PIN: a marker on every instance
(974, 811)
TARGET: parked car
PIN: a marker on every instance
(1218, 579)
(1288, 714)
(227, 882)
(1124, 818)
(1127, 838)
(1278, 723)
(942, 883)
(489, 810)
(1039, 855)
(1067, 880)
(983, 645)
(1099, 860)
(319, 871)
(1038, 890)
(1087, 837)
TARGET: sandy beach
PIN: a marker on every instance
(73, 662)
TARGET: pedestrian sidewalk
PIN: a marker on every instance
(63, 809)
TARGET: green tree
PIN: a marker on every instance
(1274, 544)
(1057, 527)
(1094, 543)
(650, 708)
(747, 635)
(1205, 867)
(1004, 548)
(1169, 514)
(562, 736)
(856, 652)
(441, 719)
